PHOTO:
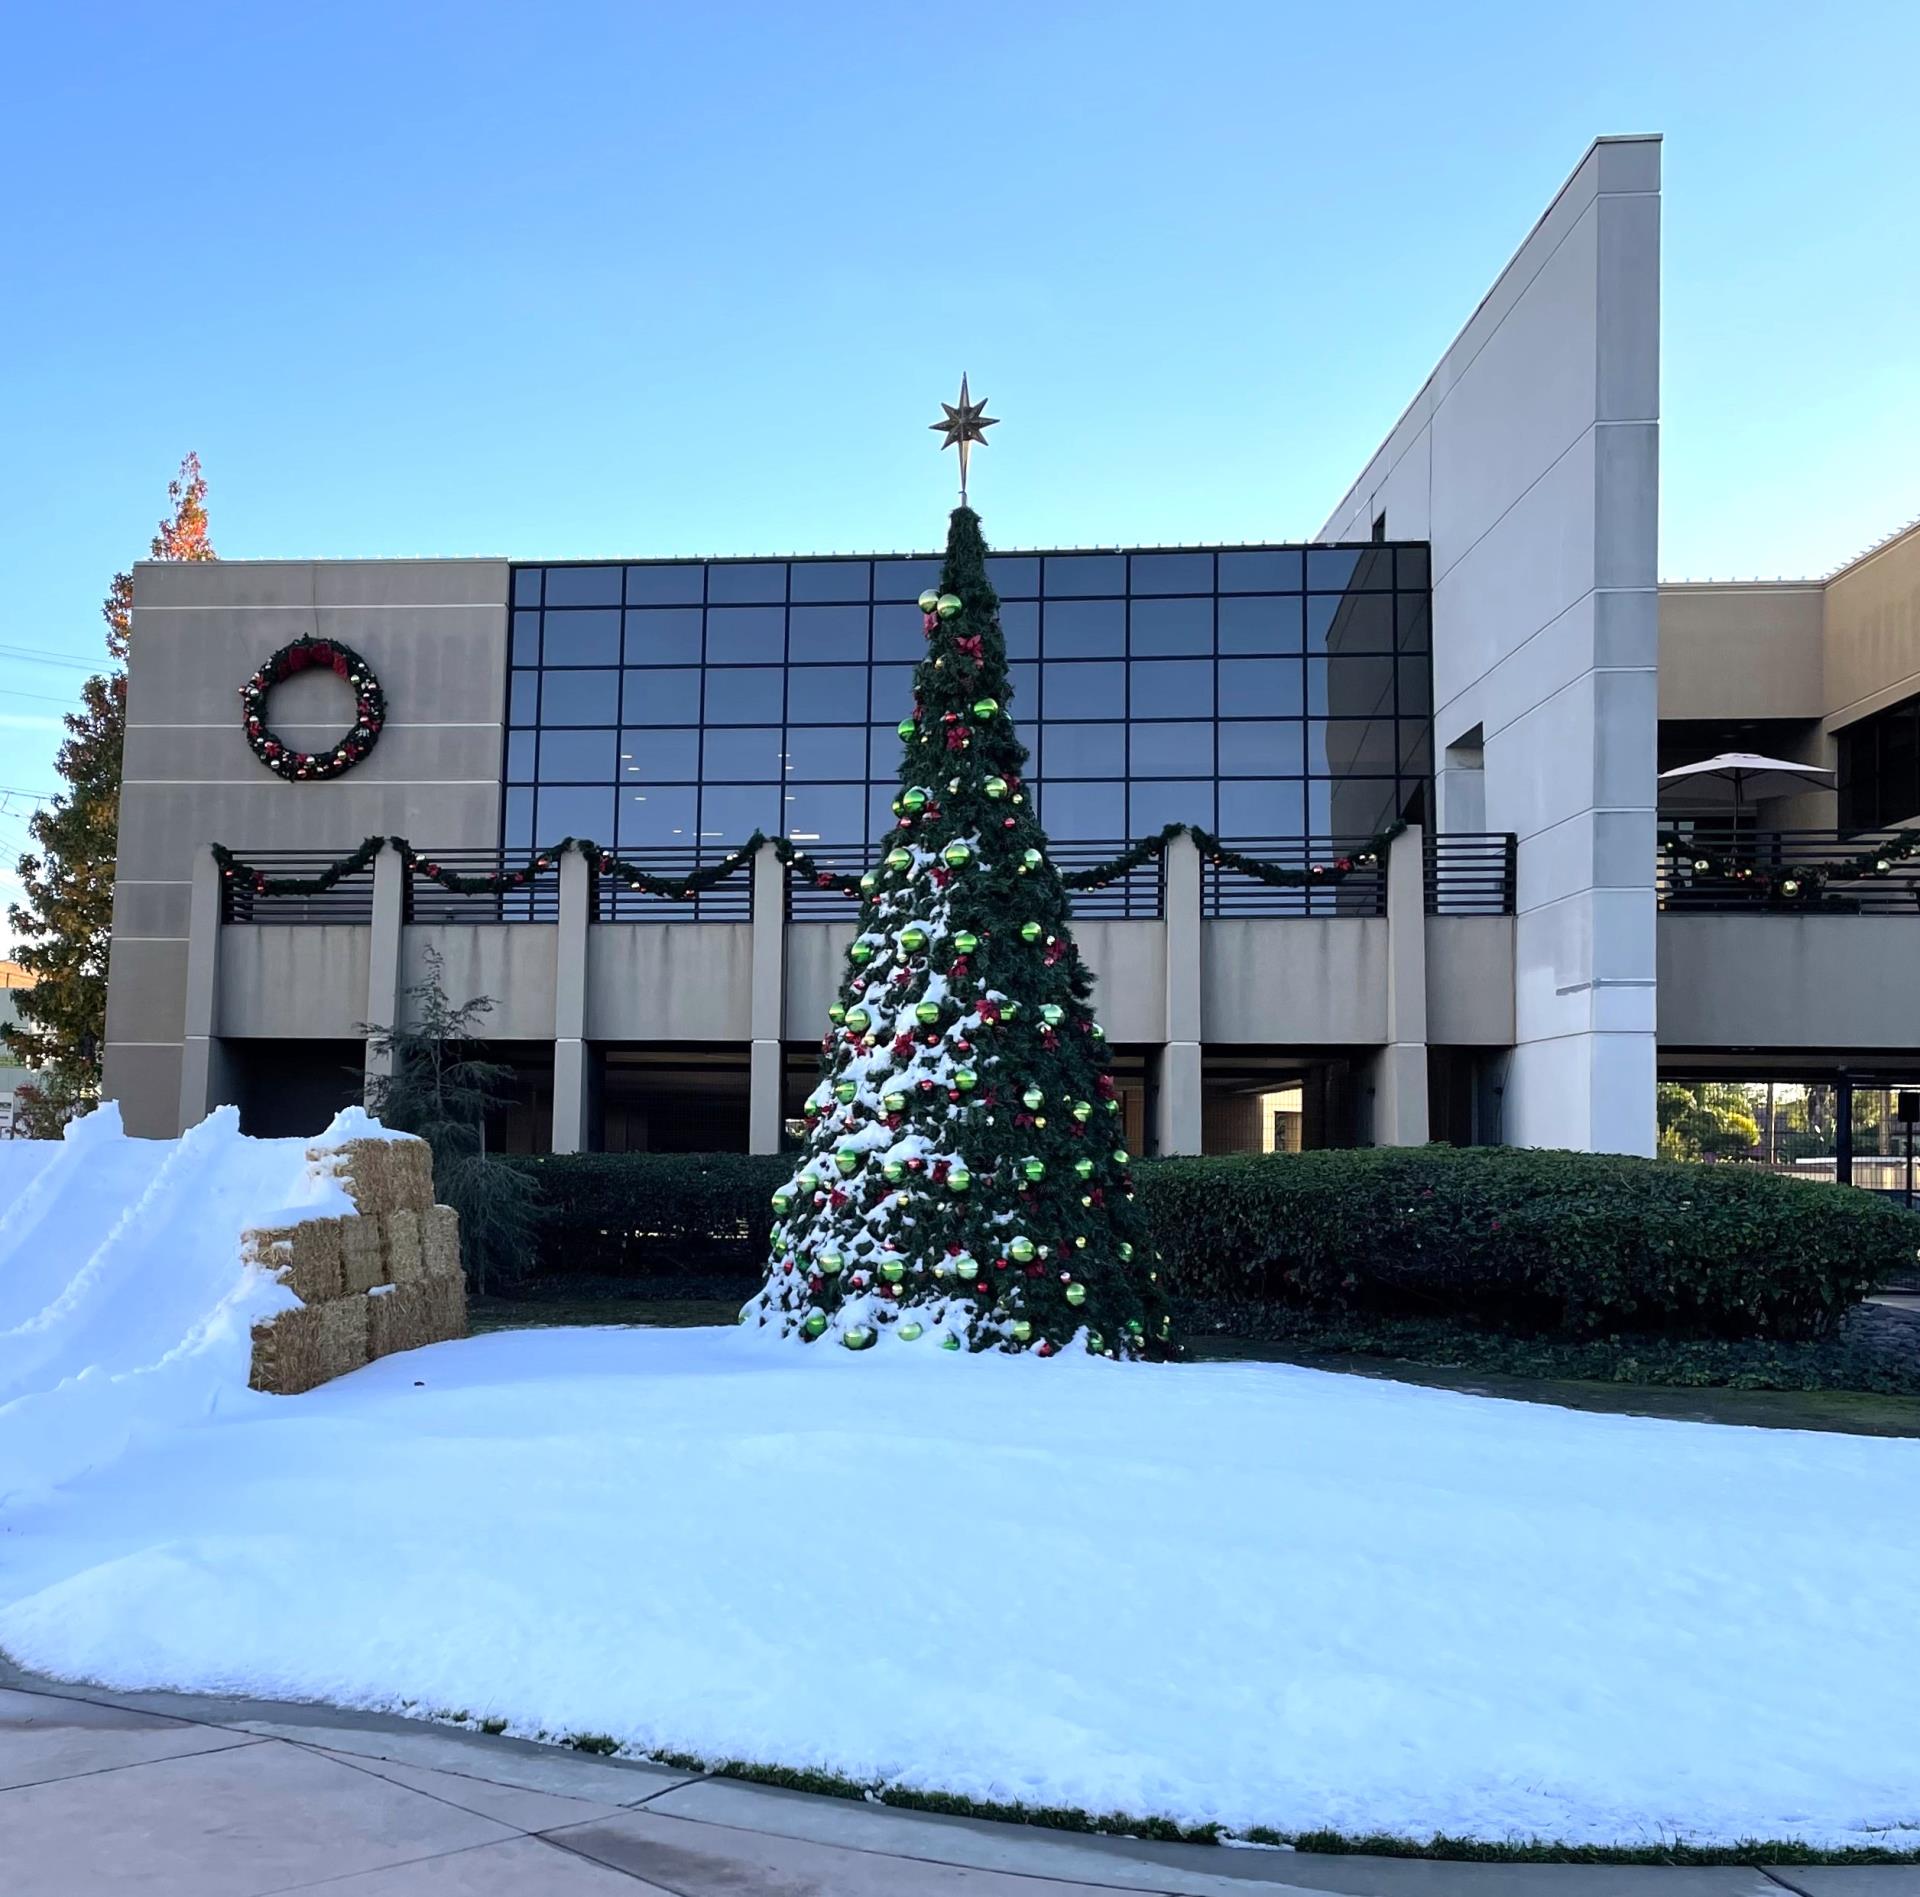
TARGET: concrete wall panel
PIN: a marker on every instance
(279, 982)
(145, 1083)
(513, 964)
(147, 1001)
(670, 981)
(1129, 964)
(1305, 981)
(1470, 981)
(1745, 651)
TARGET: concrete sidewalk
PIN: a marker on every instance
(171, 1796)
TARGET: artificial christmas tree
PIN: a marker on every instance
(966, 1184)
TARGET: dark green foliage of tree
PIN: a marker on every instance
(965, 1180)
(436, 1086)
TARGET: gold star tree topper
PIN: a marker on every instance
(966, 422)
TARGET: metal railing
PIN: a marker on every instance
(1138, 896)
(730, 900)
(1225, 891)
(1776, 855)
(1470, 873)
(349, 900)
(536, 900)
(808, 902)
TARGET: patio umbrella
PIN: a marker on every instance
(1737, 778)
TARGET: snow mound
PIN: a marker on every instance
(125, 1303)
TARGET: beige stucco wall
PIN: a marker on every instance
(1873, 631)
(1745, 650)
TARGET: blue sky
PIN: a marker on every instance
(652, 279)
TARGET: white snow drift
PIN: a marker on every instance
(1244, 1593)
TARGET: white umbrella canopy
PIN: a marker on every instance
(1737, 778)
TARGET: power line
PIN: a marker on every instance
(42, 655)
(39, 698)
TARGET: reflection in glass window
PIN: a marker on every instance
(660, 815)
(1172, 750)
(829, 579)
(666, 585)
(580, 698)
(826, 694)
(670, 757)
(730, 813)
(1260, 570)
(1085, 689)
(904, 579)
(523, 698)
(517, 831)
(664, 636)
(1170, 626)
(899, 632)
(1330, 569)
(1084, 750)
(1262, 687)
(526, 586)
(520, 753)
(743, 583)
(1078, 575)
(1152, 806)
(824, 813)
(824, 754)
(1023, 689)
(1350, 622)
(751, 755)
(526, 638)
(1172, 572)
(583, 638)
(1072, 811)
(1085, 629)
(1273, 809)
(577, 757)
(1350, 688)
(746, 635)
(820, 633)
(1257, 623)
(1273, 747)
(745, 694)
(572, 810)
(1020, 625)
(1413, 622)
(1014, 576)
(661, 698)
(1172, 688)
(583, 586)
(890, 693)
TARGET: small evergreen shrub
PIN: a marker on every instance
(1522, 1242)
(1574, 1245)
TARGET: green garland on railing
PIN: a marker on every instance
(684, 887)
(1795, 882)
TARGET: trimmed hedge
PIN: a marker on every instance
(1528, 1242)
(1525, 1242)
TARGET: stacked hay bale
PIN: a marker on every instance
(384, 1278)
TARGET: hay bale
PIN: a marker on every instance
(406, 1259)
(400, 1318)
(409, 1174)
(343, 1336)
(381, 1176)
(363, 1255)
(440, 1241)
(448, 1302)
(306, 1257)
(289, 1354)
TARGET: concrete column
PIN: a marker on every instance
(767, 1008)
(202, 1071)
(1400, 1068)
(1177, 1118)
(570, 1055)
(384, 975)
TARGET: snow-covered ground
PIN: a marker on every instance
(1251, 1594)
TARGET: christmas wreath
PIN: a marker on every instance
(305, 655)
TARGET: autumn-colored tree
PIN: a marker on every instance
(65, 924)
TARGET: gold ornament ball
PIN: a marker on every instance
(929, 600)
(948, 605)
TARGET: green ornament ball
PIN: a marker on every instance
(837, 1013)
(1136, 1327)
(893, 1271)
(893, 1172)
(860, 954)
(909, 1331)
(1095, 1342)
(927, 1013)
(1031, 932)
(1033, 1099)
(859, 1020)
(985, 707)
(906, 727)
(830, 1263)
(846, 1092)
(949, 1342)
(929, 600)
(1022, 1330)
(913, 940)
(947, 605)
(1126, 1252)
(815, 1324)
(1113, 1106)
(996, 787)
(1053, 1014)
(899, 860)
(1076, 1293)
(1121, 1156)
(965, 1079)
(966, 942)
(959, 1180)
(848, 1159)
(1083, 1111)
(1083, 1168)
(869, 882)
(1008, 1009)
(1035, 1169)
(894, 1102)
(783, 1203)
(1021, 1251)
(808, 1183)
(956, 855)
(913, 800)
(1099, 1034)
(1032, 859)
(857, 1337)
